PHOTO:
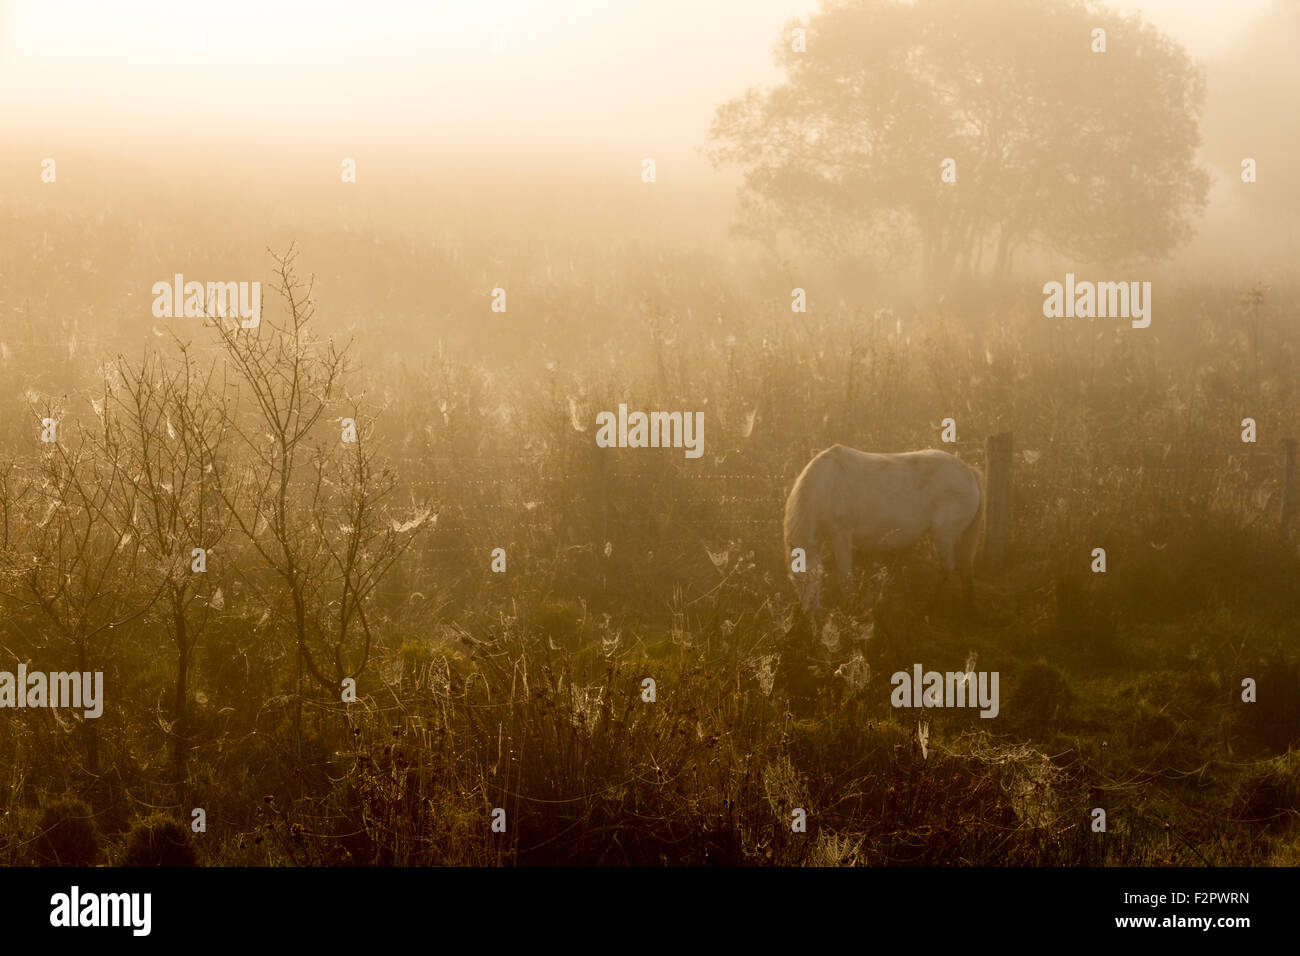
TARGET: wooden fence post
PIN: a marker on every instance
(1288, 487)
(997, 490)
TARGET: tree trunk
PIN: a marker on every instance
(1002, 261)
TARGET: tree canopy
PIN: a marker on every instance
(1054, 143)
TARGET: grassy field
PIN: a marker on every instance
(524, 690)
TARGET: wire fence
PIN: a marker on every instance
(513, 489)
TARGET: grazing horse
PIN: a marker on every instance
(881, 503)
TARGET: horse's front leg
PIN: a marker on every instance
(842, 543)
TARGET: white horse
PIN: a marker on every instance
(881, 503)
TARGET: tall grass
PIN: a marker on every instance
(524, 691)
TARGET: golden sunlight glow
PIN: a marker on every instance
(572, 71)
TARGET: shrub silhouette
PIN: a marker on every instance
(1269, 795)
(1042, 697)
(67, 835)
(158, 840)
(1275, 717)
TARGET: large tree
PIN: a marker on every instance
(1089, 154)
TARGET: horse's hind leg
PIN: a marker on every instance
(947, 549)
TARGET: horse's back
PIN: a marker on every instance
(888, 500)
(929, 471)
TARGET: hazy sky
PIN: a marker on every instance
(576, 75)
